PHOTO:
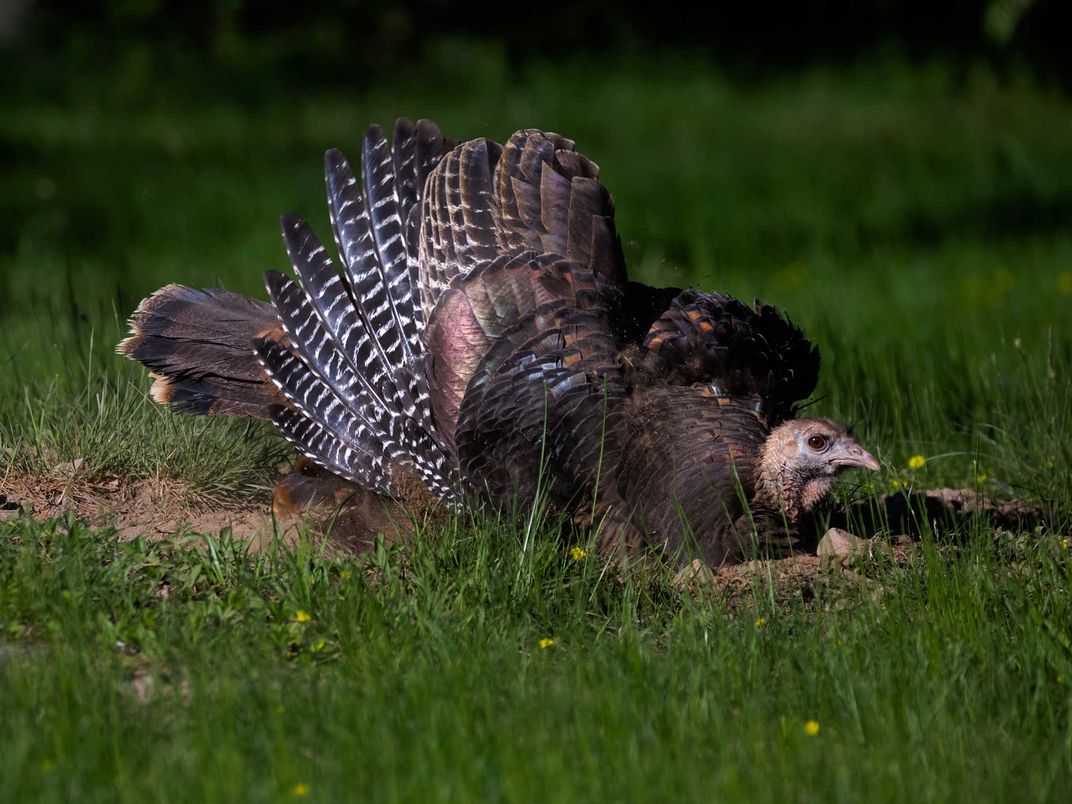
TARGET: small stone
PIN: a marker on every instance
(840, 546)
(70, 468)
(693, 577)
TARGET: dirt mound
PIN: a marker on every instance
(842, 563)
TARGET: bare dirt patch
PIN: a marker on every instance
(306, 499)
(153, 509)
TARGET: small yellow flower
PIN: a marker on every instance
(303, 616)
(578, 553)
(1064, 282)
(1065, 543)
(320, 645)
(982, 477)
(811, 727)
(760, 622)
(345, 575)
(896, 484)
(546, 642)
(300, 790)
(917, 462)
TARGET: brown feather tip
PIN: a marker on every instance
(127, 346)
(145, 310)
(161, 390)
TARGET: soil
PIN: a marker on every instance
(153, 509)
(160, 508)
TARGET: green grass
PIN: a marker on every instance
(424, 679)
(914, 220)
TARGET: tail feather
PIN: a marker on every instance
(198, 345)
(333, 333)
(319, 380)
(356, 386)
(333, 431)
(377, 163)
(408, 186)
(364, 274)
(323, 446)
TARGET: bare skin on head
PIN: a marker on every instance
(799, 463)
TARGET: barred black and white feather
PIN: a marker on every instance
(358, 369)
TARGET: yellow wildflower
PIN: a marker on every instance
(303, 616)
(578, 553)
(917, 462)
(1064, 282)
(546, 642)
(811, 727)
(300, 790)
(345, 575)
(982, 477)
(760, 622)
(896, 484)
(1065, 543)
(320, 645)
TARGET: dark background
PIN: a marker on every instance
(255, 49)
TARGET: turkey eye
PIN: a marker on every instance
(817, 443)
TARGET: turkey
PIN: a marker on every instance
(482, 337)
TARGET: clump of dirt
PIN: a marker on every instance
(842, 562)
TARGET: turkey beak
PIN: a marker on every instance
(855, 457)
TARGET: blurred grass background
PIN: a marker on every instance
(907, 200)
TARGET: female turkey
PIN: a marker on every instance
(483, 335)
